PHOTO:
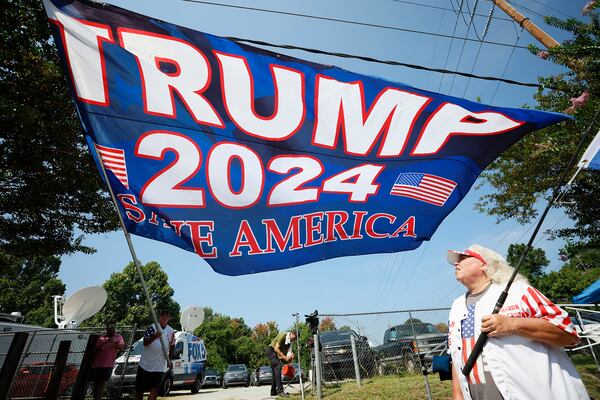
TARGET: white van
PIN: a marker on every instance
(189, 363)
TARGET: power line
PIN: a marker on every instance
(506, 65)
(451, 41)
(388, 62)
(471, 19)
(394, 28)
(485, 30)
(464, 43)
(445, 9)
(551, 8)
(528, 9)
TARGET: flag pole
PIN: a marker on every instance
(136, 262)
(483, 336)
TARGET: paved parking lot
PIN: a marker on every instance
(233, 393)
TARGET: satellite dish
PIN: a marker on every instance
(191, 318)
(81, 305)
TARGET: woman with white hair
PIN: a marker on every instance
(524, 356)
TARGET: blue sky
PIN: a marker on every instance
(417, 279)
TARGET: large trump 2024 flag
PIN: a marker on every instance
(257, 161)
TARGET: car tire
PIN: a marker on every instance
(197, 385)
(247, 384)
(165, 387)
(409, 363)
(68, 391)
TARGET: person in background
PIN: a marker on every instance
(524, 356)
(105, 353)
(279, 353)
(153, 365)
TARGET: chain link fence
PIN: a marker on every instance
(37, 361)
(382, 343)
(404, 342)
(586, 318)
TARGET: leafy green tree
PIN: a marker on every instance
(126, 303)
(530, 169)
(533, 264)
(304, 340)
(575, 275)
(27, 286)
(49, 185)
(222, 336)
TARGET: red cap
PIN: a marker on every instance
(454, 256)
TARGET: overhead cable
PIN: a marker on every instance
(553, 9)
(445, 9)
(388, 62)
(485, 31)
(278, 12)
(465, 42)
(451, 41)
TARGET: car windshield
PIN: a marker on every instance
(236, 367)
(419, 329)
(136, 348)
(335, 336)
(210, 371)
(265, 369)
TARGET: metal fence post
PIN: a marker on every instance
(84, 369)
(423, 367)
(129, 344)
(355, 359)
(318, 367)
(59, 368)
(11, 362)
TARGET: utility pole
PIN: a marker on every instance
(526, 23)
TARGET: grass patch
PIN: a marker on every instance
(409, 387)
(412, 387)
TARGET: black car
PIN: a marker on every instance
(212, 378)
(297, 373)
(236, 374)
(336, 357)
(263, 375)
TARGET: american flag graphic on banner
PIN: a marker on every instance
(114, 160)
(477, 375)
(429, 188)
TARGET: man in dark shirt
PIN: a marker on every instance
(278, 353)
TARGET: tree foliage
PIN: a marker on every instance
(581, 270)
(49, 185)
(230, 341)
(327, 324)
(530, 169)
(27, 286)
(534, 263)
(126, 303)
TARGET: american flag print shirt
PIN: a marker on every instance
(477, 375)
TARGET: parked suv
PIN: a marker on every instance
(264, 375)
(337, 359)
(212, 377)
(188, 358)
(236, 374)
(404, 344)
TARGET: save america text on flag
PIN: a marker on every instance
(258, 161)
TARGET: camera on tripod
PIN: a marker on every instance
(312, 320)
